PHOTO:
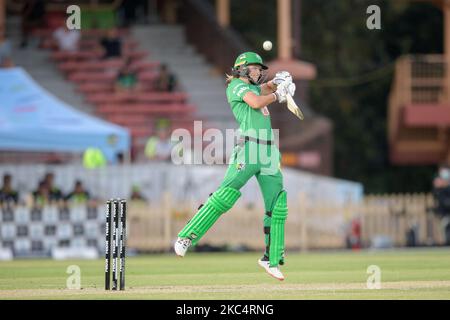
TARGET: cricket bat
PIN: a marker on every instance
(292, 106)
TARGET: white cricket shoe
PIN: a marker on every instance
(182, 245)
(272, 271)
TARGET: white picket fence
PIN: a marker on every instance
(153, 227)
(309, 225)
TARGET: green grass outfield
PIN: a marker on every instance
(405, 274)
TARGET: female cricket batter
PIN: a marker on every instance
(254, 155)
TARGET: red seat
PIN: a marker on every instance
(136, 55)
(47, 32)
(48, 43)
(102, 98)
(145, 65)
(162, 97)
(92, 76)
(107, 97)
(130, 120)
(96, 65)
(140, 132)
(95, 87)
(147, 75)
(130, 44)
(78, 55)
(176, 109)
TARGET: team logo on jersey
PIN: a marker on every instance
(240, 166)
(265, 111)
(241, 91)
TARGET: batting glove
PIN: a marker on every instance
(281, 92)
(291, 88)
(282, 76)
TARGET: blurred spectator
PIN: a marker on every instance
(5, 50)
(41, 196)
(411, 234)
(93, 158)
(159, 146)
(165, 81)
(127, 12)
(120, 158)
(7, 194)
(33, 13)
(127, 78)
(355, 234)
(79, 194)
(442, 179)
(54, 193)
(441, 191)
(136, 194)
(67, 40)
(441, 195)
(111, 44)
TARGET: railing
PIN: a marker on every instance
(308, 226)
(153, 227)
(394, 215)
(220, 46)
(428, 79)
(419, 79)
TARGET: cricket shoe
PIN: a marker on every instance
(272, 271)
(182, 245)
(266, 258)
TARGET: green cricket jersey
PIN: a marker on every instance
(252, 122)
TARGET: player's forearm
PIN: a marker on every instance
(268, 87)
(264, 100)
(258, 102)
(272, 86)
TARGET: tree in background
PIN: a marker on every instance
(355, 69)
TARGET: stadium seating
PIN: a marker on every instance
(45, 33)
(110, 64)
(73, 66)
(49, 43)
(95, 87)
(161, 97)
(95, 78)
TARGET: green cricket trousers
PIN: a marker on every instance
(250, 157)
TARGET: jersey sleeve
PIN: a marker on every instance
(236, 92)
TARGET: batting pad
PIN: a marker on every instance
(279, 215)
(218, 203)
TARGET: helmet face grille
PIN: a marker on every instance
(243, 71)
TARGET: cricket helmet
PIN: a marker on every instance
(247, 58)
(242, 62)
